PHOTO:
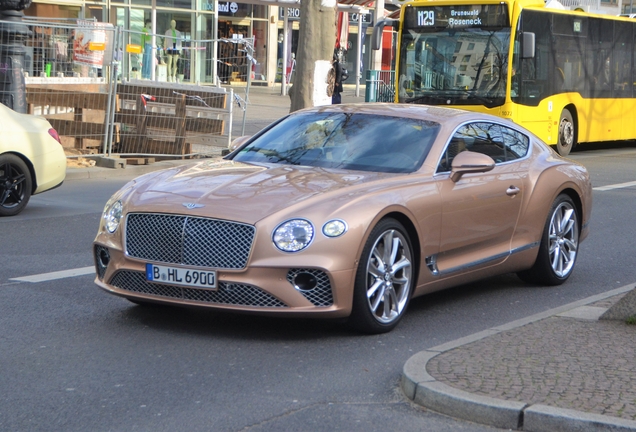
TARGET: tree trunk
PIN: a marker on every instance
(316, 42)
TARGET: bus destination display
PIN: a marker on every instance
(448, 17)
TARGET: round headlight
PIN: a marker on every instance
(334, 228)
(293, 235)
(112, 216)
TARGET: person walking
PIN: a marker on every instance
(336, 96)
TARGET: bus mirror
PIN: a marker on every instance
(378, 29)
(528, 45)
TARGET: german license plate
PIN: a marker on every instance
(181, 276)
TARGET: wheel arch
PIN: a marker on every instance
(577, 203)
(27, 162)
(411, 231)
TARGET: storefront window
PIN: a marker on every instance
(260, 11)
(141, 2)
(234, 10)
(179, 4)
(174, 46)
(259, 69)
(206, 5)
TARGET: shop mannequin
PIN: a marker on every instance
(146, 46)
(172, 45)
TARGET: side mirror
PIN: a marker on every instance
(529, 46)
(236, 143)
(470, 162)
(378, 29)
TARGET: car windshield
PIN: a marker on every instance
(354, 141)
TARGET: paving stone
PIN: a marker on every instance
(568, 363)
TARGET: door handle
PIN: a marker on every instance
(512, 191)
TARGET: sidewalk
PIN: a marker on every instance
(561, 370)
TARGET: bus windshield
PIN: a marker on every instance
(454, 55)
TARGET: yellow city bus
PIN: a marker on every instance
(567, 76)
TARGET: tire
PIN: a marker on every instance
(15, 185)
(567, 134)
(559, 245)
(384, 280)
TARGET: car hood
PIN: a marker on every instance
(239, 191)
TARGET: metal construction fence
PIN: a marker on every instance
(106, 94)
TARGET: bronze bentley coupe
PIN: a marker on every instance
(347, 211)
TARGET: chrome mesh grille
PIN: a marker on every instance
(227, 293)
(186, 240)
(321, 295)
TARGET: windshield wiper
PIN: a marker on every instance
(425, 97)
(472, 95)
(453, 97)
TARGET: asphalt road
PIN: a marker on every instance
(74, 358)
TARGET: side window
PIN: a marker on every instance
(456, 145)
(499, 142)
(489, 141)
(516, 144)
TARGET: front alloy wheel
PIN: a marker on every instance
(15, 185)
(383, 281)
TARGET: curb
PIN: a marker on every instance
(425, 390)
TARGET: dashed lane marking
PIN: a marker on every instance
(615, 186)
(43, 277)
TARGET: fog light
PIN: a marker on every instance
(305, 282)
(103, 258)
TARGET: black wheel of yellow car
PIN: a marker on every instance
(15, 185)
(384, 279)
(559, 245)
(567, 134)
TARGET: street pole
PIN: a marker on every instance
(376, 55)
(13, 33)
(286, 42)
(359, 53)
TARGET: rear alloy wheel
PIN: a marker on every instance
(383, 281)
(559, 245)
(15, 185)
(567, 134)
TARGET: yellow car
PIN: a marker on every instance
(32, 159)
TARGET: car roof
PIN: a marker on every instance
(442, 115)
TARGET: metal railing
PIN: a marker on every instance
(380, 86)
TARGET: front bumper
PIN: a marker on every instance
(271, 290)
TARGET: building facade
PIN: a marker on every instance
(201, 21)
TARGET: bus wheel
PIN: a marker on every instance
(567, 135)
